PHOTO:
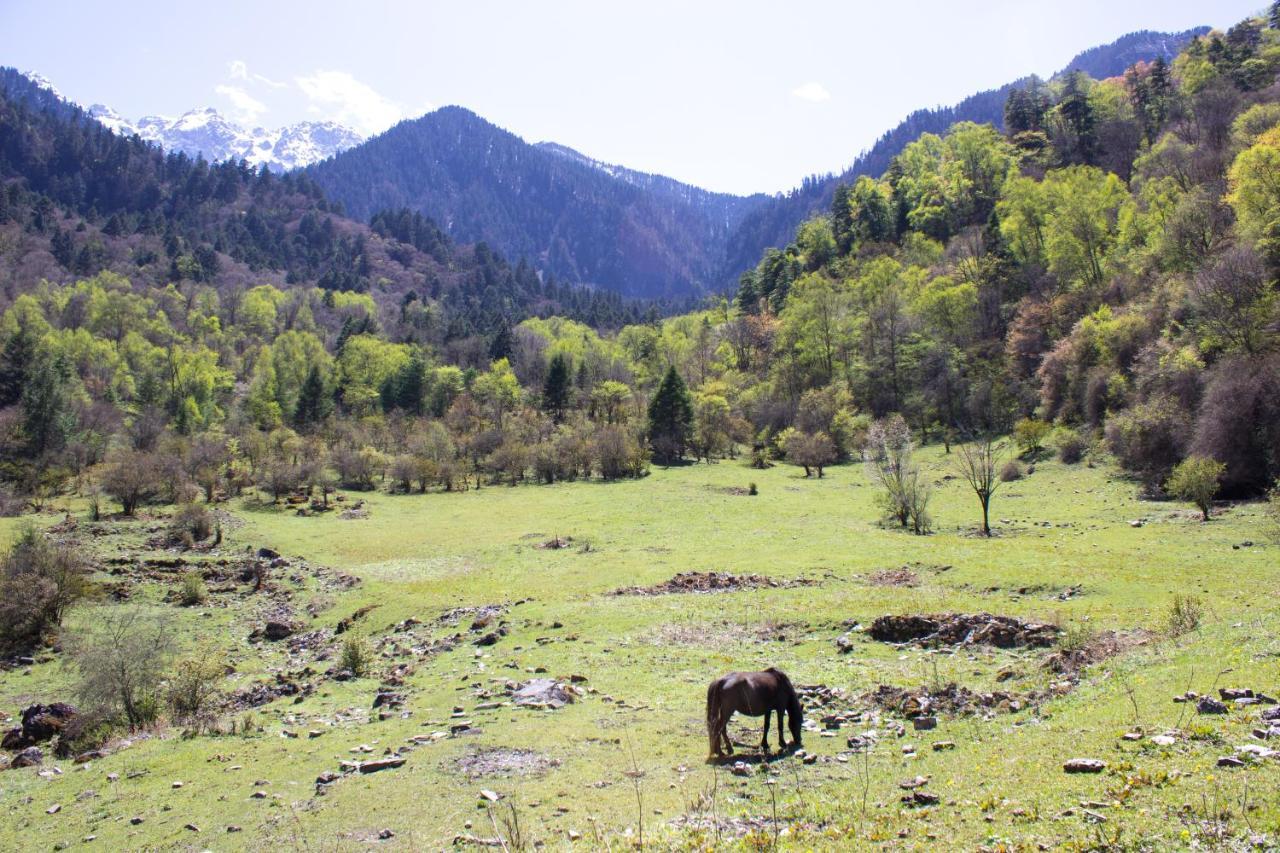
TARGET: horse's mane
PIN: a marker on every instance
(782, 677)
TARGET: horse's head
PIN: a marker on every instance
(795, 716)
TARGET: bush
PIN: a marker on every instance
(1150, 438)
(132, 477)
(1239, 423)
(356, 656)
(1070, 445)
(192, 523)
(39, 582)
(812, 452)
(752, 490)
(192, 689)
(1196, 480)
(1010, 471)
(121, 663)
(193, 590)
(1030, 435)
(1185, 614)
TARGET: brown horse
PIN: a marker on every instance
(753, 694)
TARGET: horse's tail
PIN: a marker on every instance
(713, 715)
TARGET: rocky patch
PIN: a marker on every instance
(963, 629)
(713, 582)
(477, 763)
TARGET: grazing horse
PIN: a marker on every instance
(753, 694)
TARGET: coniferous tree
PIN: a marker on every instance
(313, 402)
(503, 342)
(670, 418)
(15, 363)
(556, 390)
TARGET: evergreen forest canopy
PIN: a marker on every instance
(1104, 266)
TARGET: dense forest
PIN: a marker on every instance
(1104, 267)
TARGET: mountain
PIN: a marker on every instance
(207, 133)
(77, 199)
(773, 224)
(211, 135)
(574, 218)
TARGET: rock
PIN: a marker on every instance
(386, 834)
(1137, 522)
(233, 828)
(276, 630)
(381, 764)
(53, 809)
(91, 755)
(941, 745)
(741, 768)
(542, 693)
(1084, 765)
(13, 739)
(1163, 740)
(1230, 761)
(924, 723)
(258, 795)
(1271, 715)
(267, 554)
(29, 757)
(912, 784)
(135, 820)
(921, 798)
(1209, 705)
(965, 629)
(1131, 736)
(1230, 694)
(191, 827)
(176, 785)
(388, 699)
(489, 796)
(39, 723)
(328, 777)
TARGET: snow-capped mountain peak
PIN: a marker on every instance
(208, 133)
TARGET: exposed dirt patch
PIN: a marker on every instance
(504, 762)
(963, 629)
(901, 576)
(1099, 647)
(713, 582)
(556, 543)
(738, 827)
(724, 633)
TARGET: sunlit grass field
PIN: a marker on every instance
(628, 758)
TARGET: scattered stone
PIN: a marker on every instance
(176, 785)
(1230, 761)
(942, 745)
(489, 796)
(1209, 705)
(1132, 736)
(1230, 694)
(328, 777)
(912, 784)
(377, 764)
(39, 723)
(918, 799)
(276, 630)
(136, 820)
(1084, 765)
(713, 582)
(741, 768)
(191, 827)
(258, 795)
(53, 809)
(922, 724)
(386, 834)
(1163, 740)
(233, 828)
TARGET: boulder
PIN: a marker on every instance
(276, 630)
(542, 693)
(29, 757)
(1209, 705)
(1084, 765)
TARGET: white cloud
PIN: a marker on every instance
(337, 96)
(238, 69)
(245, 108)
(814, 93)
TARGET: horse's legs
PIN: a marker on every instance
(764, 739)
(724, 733)
(782, 741)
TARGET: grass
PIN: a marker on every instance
(649, 658)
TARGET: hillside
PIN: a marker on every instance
(571, 218)
(771, 225)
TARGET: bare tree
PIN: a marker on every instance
(979, 462)
(122, 662)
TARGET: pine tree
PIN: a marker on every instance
(15, 363)
(1273, 17)
(313, 403)
(670, 418)
(503, 342)
(555, 392)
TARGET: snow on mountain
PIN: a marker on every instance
(208, 133)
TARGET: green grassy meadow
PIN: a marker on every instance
(629, 757)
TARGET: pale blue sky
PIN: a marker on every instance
(735, 96)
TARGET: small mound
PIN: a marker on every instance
(504, 762)
(894, 577)
(963, 629)
(1099, 647)
(712, 582)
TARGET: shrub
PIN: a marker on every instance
(1196, 480)
(356, 656)
(1010, 471)
(1185, 614)
(191, 523)
(193, 590)
(132, 477)
(192, 689)
(1030, 435)
(1150, 438)
(121, 663)
(1239, 423)
(752, 490)
(812, 452)
(39, 582)
(1069, 444)
(85, 731)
